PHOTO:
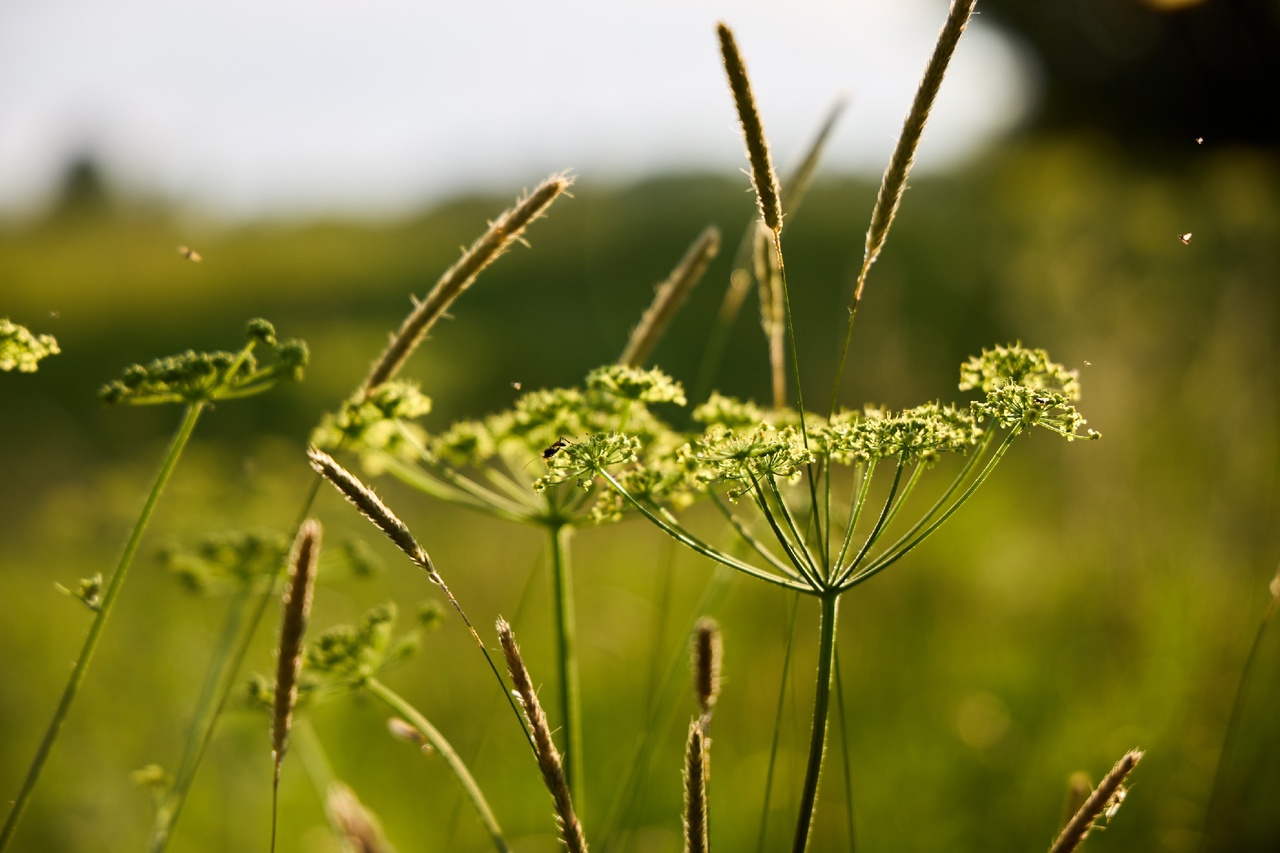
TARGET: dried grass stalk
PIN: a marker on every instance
(544, 747)
(670, 296)
(708, 649)
(763, 178)
(296, 606)
(894, 183)
(503, 231)
(697, 771)
(354, 824)
(1104, 801)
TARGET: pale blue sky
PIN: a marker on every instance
(275, 107)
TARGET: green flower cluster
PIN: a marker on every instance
(1024, 388)
(223, 562)
(21, 350)
(378, 423)
(489, 464)
(201, 377)
(346, 656)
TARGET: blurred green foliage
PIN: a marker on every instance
(1090, 599)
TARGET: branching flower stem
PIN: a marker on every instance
(179, 442)
(698, 545)
(893, 555)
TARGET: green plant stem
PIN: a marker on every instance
(818, 734)
(845, 764)
(777, 722)
(567, 659)
(315, 762)
(190, 416)
(402, 707)
(216, 685)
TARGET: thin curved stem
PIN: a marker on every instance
(777, 723)
(183, 434)
(880, 522)
(818, 733)
(402, 707)
(661, 710)
(855, 510)
(701, 547)
(959, 480)
(793, 527)
(750, 539)
(904, 493)
(216, 686)
(567, 660)
(795, 551)
(851, 823)
(887, 559)
(1237, 711)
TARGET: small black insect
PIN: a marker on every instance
(1042, 401)
(554, 448)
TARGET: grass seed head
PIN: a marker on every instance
(296, 607)
(763, 177)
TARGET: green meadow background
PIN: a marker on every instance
(1092, 598)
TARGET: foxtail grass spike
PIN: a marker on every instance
(794, 190)
(670, 296)
(544, 747)
(894, 183)
(503, 231)
(708, 649)
(697, 770)
(763, 178)
(1103, 802)
(295, 609)
(372, 508)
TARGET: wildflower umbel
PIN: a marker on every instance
(544, 747)
(205, 377)
(20, 349)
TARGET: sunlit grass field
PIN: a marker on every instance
(1092, 597)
